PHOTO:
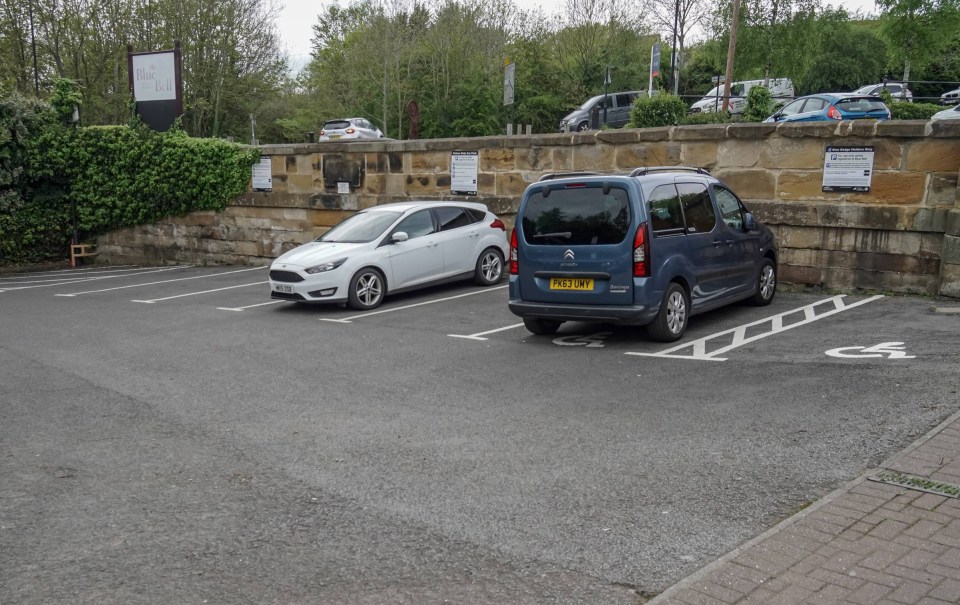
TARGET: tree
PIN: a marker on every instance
(678, 18)
(919, 31)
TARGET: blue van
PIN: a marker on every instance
(651, 248)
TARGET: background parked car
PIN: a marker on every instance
(619, 105)
(951, 97)
(390, 248)
(951, 114)
(781, 90)
(832, 106)
(897, 90)
(349, 128)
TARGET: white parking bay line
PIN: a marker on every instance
(347, 320)
(737, 336)
(67, 282)
(263, 304)
(165, 281)
(155, 300)
(480, 335)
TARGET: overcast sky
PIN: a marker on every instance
(297, 18)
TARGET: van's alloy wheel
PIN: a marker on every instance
(671, 321)
(767, 285)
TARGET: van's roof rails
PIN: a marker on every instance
(648, 169)
(561, 175)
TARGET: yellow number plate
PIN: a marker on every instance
(562, 283)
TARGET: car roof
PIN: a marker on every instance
(418, 204)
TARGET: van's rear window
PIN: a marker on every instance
(577, 216)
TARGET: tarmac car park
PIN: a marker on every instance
(173, 432)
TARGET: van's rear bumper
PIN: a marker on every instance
(635, 315)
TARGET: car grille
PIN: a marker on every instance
(286, 296)
(285, 276)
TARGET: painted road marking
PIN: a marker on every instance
(590, 341)
(74, 281)
(480, 335)
(73, 274)
(156, 300)
(166, 281)
(892, 350)
(347, 320)
(737, 336)
(271, 302)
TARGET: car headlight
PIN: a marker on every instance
(328, 266)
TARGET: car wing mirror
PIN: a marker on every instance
(399, 236)
(749, 223)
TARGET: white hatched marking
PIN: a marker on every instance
(698, 348)
(263, 304)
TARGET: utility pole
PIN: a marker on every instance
(674, 58)
(731, 51)
(33, 44)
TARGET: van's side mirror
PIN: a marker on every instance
(749, 223)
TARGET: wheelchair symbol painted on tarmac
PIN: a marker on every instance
(890, 350)
(591, 341)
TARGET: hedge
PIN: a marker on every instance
(114, 176)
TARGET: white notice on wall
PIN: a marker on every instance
(847, 169)
(463, 172)
(262, 175)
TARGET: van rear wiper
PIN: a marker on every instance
(561, 235)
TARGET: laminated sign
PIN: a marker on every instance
(463, 172)
(847, 169)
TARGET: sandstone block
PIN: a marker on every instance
(594, 157)
(430, 162)
(510, 184)
(636, 155)
(950, 280)
(802, 185)
(750, 184)
(702, 155)
(497, 160)
(278, 165)
(534, 158)
(942, 189)
(738, 153)
(789, 153)
(304, 183)
(937, 155)
(562, 159)
(893, 188)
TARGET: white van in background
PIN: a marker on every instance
(781, 89)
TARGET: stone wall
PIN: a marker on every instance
(902, 236)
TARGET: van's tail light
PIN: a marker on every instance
(514, 265)
(834, 113)
(641, 252)
(498, 224)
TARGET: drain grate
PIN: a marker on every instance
(922, 484)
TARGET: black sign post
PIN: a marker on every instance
(156, 85)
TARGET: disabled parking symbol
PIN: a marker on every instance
(890, 350)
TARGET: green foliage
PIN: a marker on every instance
(709, 117)
(759, 104)
(115, 176)
(660, 110)
(912, 111)
(65, 99)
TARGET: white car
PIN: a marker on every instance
(349, 128)
(951, 114)
(951, 97)
(897, 90)
(391, 248)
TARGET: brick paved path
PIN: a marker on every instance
(868, 543)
